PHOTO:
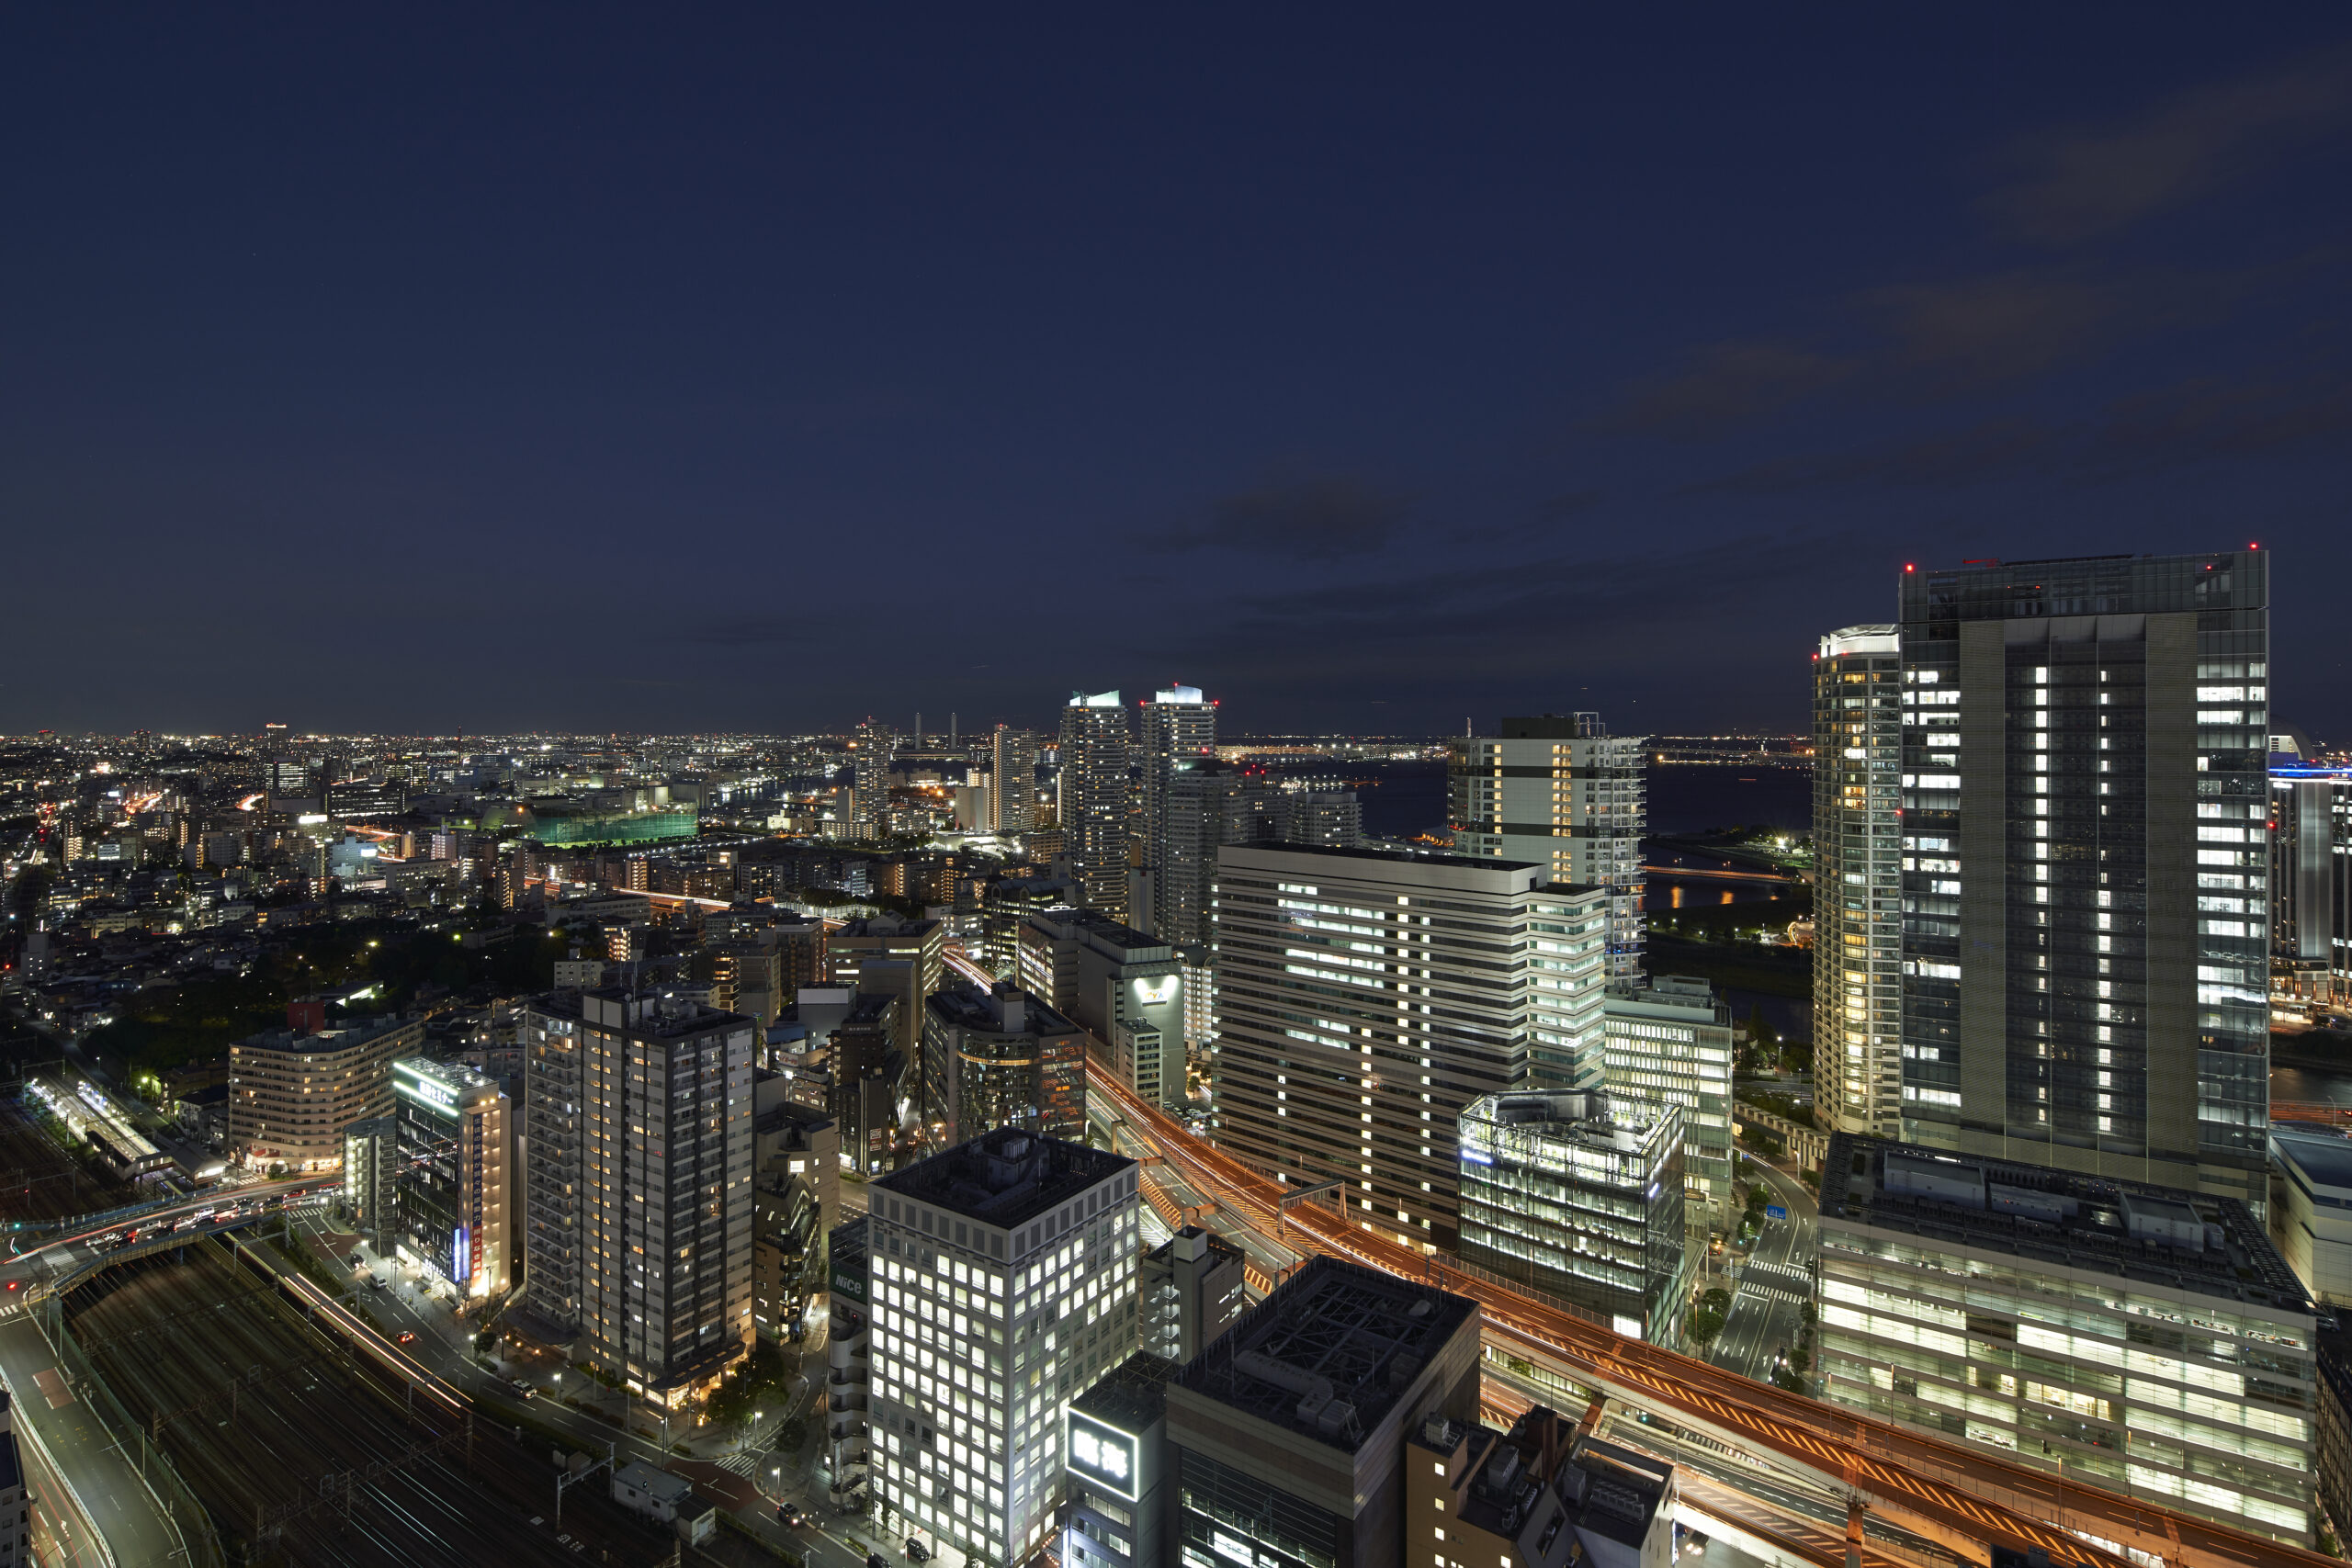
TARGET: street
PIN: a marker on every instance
(1776, 1281)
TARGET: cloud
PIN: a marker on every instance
(2079, 184)
(1729, 383)
(2001, 327)
(2197, 420)
(1324, 518)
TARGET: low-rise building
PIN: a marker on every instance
(670, 1499)
(2144, 1339)
(1559, 1193)
(1536, 1496)
(2311, 1209)
(1288, 1434)
(1189, 1291)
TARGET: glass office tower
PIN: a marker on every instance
(1857, 878)
(2085, 866)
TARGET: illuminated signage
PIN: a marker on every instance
(1160, 989)
(425, 1091)
(1103, 1455)
(463, 1257)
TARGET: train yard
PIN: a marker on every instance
(305, 1452)
(40, 1180)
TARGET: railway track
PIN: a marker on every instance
(294, 1444)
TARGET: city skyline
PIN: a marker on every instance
(1391, 374)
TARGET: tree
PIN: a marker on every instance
(1717, 1301)
(1703, 1325)
(1757, 1196)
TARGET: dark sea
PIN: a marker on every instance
(1401, 799)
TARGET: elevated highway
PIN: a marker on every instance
(1963, 1497)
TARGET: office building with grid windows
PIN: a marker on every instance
(1001, 1287)
(2085, 866)
(1558, 1194)
(1364, 997)
(2146, 1340)
(1559, 791)
(1670, 1045)
(1858, 878)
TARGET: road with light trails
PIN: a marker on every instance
(1962, 1495)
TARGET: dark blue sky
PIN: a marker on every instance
(1373, 368)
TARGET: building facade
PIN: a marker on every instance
(293, 1090)
(2310, 878)
(1097, 798)
(1209, 804)
(1559, 1194)
(454, 1190)
(1013, 781)
(640, 1110)
(1002, 1287)
(1364, 997)
(1115, 1468)
(2142, 1339)
(1858, 878)
(2085, 880)
(1562, 792)
(1121, 986)
(1191, 1292)
(1670, 1045)
(1178, 726)
(1001, 1058)
(871, 750)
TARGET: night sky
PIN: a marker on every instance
(674, 368)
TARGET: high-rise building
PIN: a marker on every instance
(1209, 804)
(1002, 1287)
(1178, 726)
(1669, 1045)
(2310, 875)
(869, 797)
(1013, 781)
(454, 1190)
(1364, 997)
(1289, 1434)
(1115, 1467)
(1001, 1058)
(1125, 988)
(1560, 1194)
(293, 1090)
(1096, 794)
(2086, 881)
(638, 1112)
(1332, 816)
(2179, 1365)
(1858, 878)
(1562, 792)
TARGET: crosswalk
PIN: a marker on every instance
(741, 1464)
(1774, 1294)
